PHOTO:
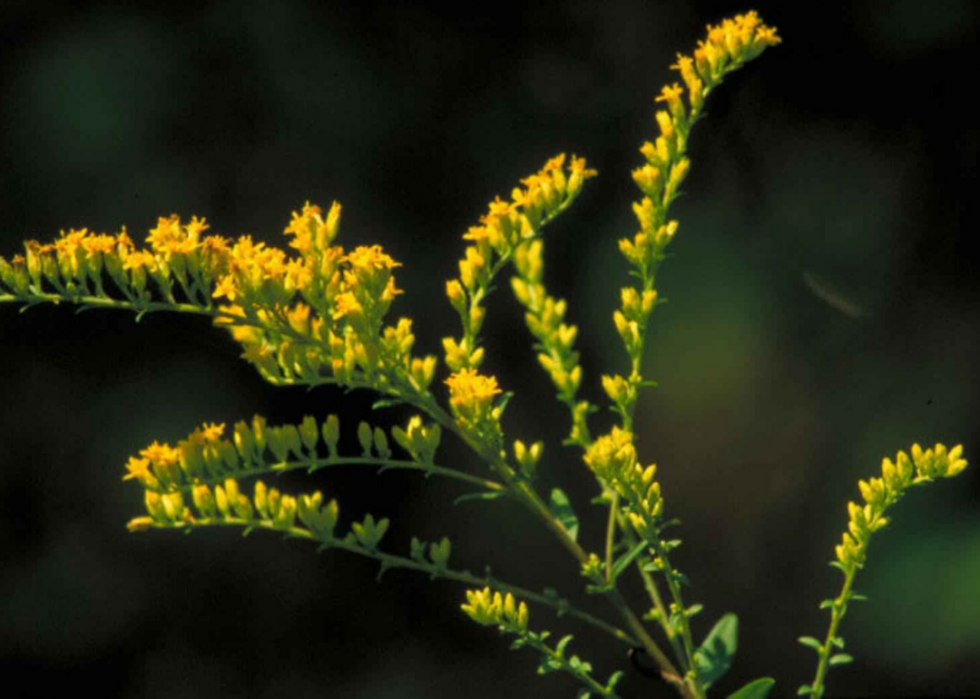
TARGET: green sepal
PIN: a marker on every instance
(417, 550)
(504, 400)
(714, 657)
(562, 644)
(561, 508)
(811, 642)
(614, 679)
(603, 589)
(756, 689)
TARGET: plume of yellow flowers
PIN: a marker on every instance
(314, 314)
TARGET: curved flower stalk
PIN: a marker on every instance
(308, 517)
(312, 318)
(503, 231)
(491, 609)
(206, 457)
(879, 495)
(315, 313)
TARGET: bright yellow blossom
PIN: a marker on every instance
(470, 391)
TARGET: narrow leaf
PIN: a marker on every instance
(479, 496)
(561, 508)
(623, 561)
(756, 689)
(562, 644)
(811, 642)
(840, 659)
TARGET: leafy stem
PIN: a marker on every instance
(391, 561)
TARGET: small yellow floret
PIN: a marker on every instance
(470, 389)
(370, 257)
(137, 468)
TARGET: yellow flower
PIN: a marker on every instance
(347, 305)
(470, 391)
(140, 259)
(226, 287)
(212, 432)
(160, 454)
(138, 468)
(371, 257)
(106, 244)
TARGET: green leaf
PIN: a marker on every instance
(804, 690)
(386, 403)
(840, 659)
(756, 689)
(487, 496)
(623, 561)
(561, 508)
(614, 680)
(857, 597)
(504, 400)
(562, 644)
(827, 604)
(714, 658)
(811, 642)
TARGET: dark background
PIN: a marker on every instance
(847, 155)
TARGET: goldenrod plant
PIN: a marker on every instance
(315, 313)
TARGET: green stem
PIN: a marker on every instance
(316, 464)
(583, 677)
(611, 534)
(392, 561)
(839, 609)
(675, 593)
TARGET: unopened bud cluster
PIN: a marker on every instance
(881, 493)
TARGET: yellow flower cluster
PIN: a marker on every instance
(225, 503)
(206, 455)
(487, 607)
(881, 493)
(471, 397)
(727, 47)
(505, 226)
(297, 317)
(613, 459)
